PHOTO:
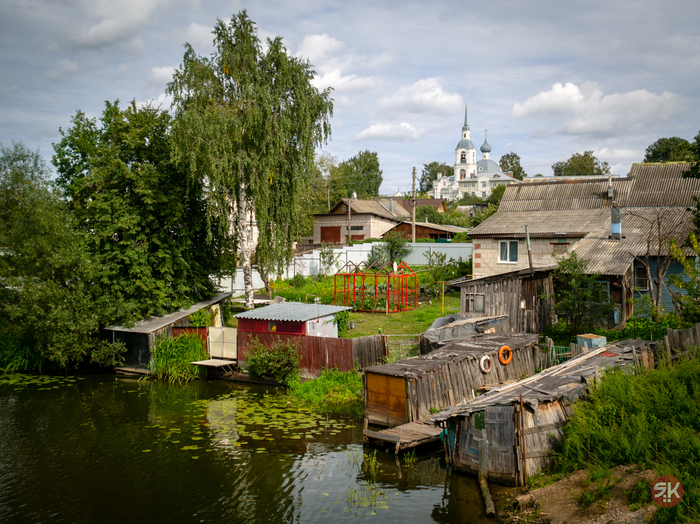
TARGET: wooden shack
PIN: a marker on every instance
(408, 390)
(526, 296)
(521, 439)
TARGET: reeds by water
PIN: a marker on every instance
(172, 357)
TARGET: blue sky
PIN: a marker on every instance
(546, 78)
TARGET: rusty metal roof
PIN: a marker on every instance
(152, 324)
(291, 312)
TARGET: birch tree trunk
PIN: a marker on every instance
(247, 244)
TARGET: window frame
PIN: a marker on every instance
(644, 277)
(508, 245)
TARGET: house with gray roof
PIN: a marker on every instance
(578, 215)
(357, 219)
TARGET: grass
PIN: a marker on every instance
(333, 387)
(172, 357)
(650, 419)
(15, 356)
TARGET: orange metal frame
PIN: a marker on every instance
(376, 289)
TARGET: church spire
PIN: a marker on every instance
(466, 125)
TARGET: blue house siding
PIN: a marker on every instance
(674, 269)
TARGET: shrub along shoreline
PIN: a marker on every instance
(651, 419)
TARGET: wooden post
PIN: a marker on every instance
(398, 444)
(522, 438)
(483, 477)
(668, 349)
(636, 359)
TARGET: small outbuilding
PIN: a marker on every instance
(291, 318)
(141, 337)
(427, 230)
(412, 389)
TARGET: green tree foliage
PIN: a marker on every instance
(144, 221)
(581, 300)
(247, 124)
(51, 291)
(430, 213)
(687, 286)
(396, 246)
(496, 195)
(430, 172)
(672, 149)
(581, 164)
(511, 162)
(359, 174)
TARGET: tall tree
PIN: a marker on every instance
(430, 172)
(53, 301)
(145, 222)
(359, 174)
(581, 164)
(672, 149)
(247, 125)
(511, 162)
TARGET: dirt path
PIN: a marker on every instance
(559, 502)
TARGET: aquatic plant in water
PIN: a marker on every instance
(172, 357)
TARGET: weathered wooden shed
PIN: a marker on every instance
(140, 338)
(408, 390)
(526, 296)
(521, 433)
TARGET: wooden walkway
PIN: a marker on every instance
(406, 436)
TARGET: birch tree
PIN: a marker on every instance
(247, 124)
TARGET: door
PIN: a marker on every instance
(330, 234)
(386, 400)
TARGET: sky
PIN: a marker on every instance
(546, 78)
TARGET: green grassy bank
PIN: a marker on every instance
(651, 419)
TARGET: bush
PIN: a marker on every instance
(201, 318)
(172, 357)
(297, 280)
(281, 362)
(651, 419)
(341, 320)
(332, 387)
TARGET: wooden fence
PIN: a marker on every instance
(400, 347)
(319, 353)
(554, 355)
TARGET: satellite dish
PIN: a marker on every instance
(395, 267)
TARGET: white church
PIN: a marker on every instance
(470, 177)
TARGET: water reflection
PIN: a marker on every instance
(97, 448)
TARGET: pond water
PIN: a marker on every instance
(98, 448)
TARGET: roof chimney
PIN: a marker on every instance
(610, 186)
(615, 223)
(391, 205)
(510, 174)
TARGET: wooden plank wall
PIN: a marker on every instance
(369, 351)
(503, 298)
(677, 342)
(319, 353)
(456, 381)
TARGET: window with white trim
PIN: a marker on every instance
(641, 281)
(508, 251)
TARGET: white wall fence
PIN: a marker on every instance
(309, 263)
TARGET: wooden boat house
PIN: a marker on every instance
(521, 420)
(412, 389)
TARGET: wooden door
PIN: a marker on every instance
(330, 234)
(500, 432)
(386, 400)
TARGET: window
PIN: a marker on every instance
(483, 184)
(463, 158)
(508, 251)
(462, 174)
(473, 184)
(474, 303)
(640, 278)
(483, 194)
(473, 193)
(357, 228)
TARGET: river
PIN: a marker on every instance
(103, 449)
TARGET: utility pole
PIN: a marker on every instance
(413, 207)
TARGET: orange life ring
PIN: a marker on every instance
(502, 359)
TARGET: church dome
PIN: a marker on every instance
(485, 148)
(487, 166)
(465, 143)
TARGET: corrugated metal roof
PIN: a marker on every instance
(440, 227)
(151, 324)
(380, 207)
(668, 170)
(291, 312)
(436, 203)
(640, 234)
(572, 222)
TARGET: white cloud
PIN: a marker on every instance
(8, 89)
(402, 131)
(340, 82)
(316, 48)
(61, 69)
(200, 37)
(159, 76)
(585, 110)
(163, 101)
(424, 96)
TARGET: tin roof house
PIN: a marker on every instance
(621, 226)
